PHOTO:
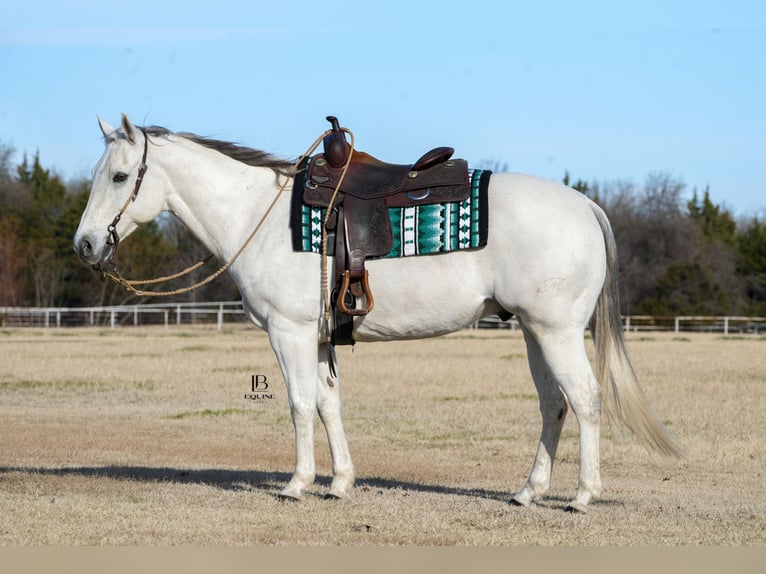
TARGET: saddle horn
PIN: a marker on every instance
(335, 145)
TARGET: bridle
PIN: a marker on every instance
(114, 238)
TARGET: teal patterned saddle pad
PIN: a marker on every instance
(418, 230)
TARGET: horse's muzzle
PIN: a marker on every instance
(90, 251)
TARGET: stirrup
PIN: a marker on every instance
(368, 298)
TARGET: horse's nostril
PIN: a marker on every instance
(86, 249)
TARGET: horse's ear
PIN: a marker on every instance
(129, 129)
(106, 129)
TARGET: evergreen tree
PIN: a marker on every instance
(579, 185)
(716, 224)
(751, 265)
(686, 288)
(46, 266)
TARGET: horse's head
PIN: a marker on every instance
(115, 207)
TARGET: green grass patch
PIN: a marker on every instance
(28, 384)
(449, 438)
(682, 339)
(237, 370)
(513, 356)
(500, 397)
(475, 337)
(145, 386)
(210, 413)
(120, 332)
(8, 383)
(520, 396)
(196, 348)
(23, 385)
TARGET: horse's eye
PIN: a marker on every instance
(119, 177)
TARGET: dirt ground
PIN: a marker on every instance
(154, 436)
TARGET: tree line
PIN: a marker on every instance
(682, 256)
(39, 214)
(677, 255)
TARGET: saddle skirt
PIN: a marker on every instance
(415, 230)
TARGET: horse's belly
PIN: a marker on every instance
(425, 296)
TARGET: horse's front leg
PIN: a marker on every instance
(331, 413)
(296, 352)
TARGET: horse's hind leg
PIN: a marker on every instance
(330, 411)
(566, 366)
(553, 408)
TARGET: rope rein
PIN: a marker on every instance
(131, 285)
(328, 213)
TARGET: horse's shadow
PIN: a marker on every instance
(271, 482)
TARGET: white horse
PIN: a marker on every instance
(550, 260)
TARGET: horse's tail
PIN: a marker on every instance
(622, 395)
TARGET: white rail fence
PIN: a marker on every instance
(124, 315)
(719, 324)
(222, 312)
(636, 323)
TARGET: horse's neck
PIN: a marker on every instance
(218, 198)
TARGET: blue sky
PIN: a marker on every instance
(605, 90)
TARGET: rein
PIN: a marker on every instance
(132, 285)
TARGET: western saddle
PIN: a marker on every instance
(359, 201)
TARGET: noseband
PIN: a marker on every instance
(114, 238)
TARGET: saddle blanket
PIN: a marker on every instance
(418, 230)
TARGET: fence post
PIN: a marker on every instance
(220, 317)
(725, 325)
(178, 314)
(112, 319)
(677, 324)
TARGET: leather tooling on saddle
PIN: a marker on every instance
(434, 205)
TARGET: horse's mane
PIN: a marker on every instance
(246, 155)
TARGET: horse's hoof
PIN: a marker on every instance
(577, 508)
(341, 487)
(289, 496)
(338, 492)
(519, 501)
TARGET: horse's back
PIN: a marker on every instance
(544, 260)
(534, 206)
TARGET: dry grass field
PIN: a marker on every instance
(144, 436)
